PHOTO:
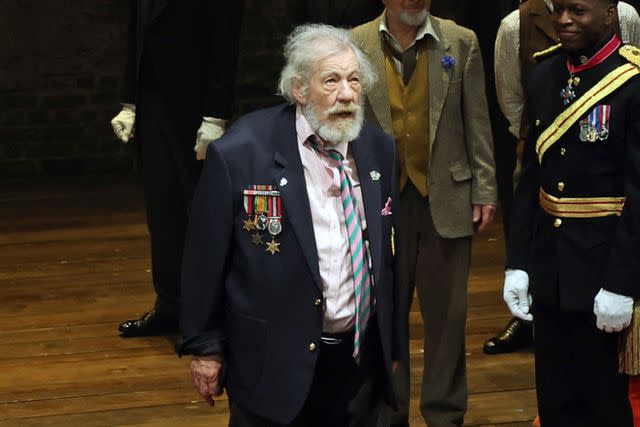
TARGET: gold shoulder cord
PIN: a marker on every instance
(541, 54)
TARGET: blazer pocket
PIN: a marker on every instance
(247, 338)
(460, 172)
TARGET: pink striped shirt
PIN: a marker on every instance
(327, 213)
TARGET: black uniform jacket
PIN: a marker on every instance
(569, 260)
(186, 50)
(260, 309)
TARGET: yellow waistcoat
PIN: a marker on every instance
(410, 116)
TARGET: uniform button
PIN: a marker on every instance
(537, 122)
(312, 346)
(561, 186)
(557, 223)
(563, 151)
(318, 301)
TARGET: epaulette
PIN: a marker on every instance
(540, 55)
(631, 54)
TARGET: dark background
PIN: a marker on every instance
(61, 65)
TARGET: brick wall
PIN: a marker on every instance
(60, 81)
(59, 87)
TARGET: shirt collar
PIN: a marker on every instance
(304, 131)
(425, 29)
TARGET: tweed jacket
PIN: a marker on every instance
(461, 168)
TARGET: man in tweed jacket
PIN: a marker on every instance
(431, 98)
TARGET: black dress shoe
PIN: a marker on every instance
(517, 335)
(151, 323)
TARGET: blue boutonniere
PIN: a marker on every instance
(448, 61)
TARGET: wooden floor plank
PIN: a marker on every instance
(71, 275)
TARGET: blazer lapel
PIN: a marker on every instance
(377, 96)
(288, 166)
(439, 77)
(371, 199)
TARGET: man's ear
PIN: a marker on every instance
(612, 16)
(299, 91)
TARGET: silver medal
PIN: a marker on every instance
(275, 227)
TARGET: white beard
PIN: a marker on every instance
(413, 19)
(335, 131)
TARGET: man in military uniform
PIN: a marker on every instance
(575, 232)
(522, 33)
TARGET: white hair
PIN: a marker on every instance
(307, 45)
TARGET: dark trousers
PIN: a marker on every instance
(577, 379)
(170, 172)
(438, 269)
(343, 393)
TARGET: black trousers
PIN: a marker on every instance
(343, 393)
(577, 379)
(170, 172)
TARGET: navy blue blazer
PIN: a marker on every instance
(260, 309)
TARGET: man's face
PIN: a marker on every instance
(332, 104)
(407, 12)
(581, 24)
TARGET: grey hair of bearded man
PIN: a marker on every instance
(309, 44)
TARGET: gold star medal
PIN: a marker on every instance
(256, 239)
(247, 201)
(273, 246)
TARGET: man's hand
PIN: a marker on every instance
(206, 373)
(123, 122)
(516, 293)
(613, 311)
(210, 130)
(394, 366)
(482, 216)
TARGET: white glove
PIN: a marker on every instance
(613, 312)
(210, 130)
(516, 293)
(124, 121)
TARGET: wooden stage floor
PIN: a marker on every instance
(74, 262)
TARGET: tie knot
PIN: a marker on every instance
(318, 146)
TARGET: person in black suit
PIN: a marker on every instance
(575, 231)
(291, 295)
(178, 85)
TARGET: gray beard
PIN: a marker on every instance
(335, 132)
(413, 20)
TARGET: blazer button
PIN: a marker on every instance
(561, 186)
(563, 151)
(312, 346)
(557, 223)
(318, 301)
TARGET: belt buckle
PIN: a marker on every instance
(331, 340)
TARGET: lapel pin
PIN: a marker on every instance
(283, 181)
(375, 175)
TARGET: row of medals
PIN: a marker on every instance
(262, 222)
(592, 134)
(587, 131)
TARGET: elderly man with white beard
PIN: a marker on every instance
(291, 295)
